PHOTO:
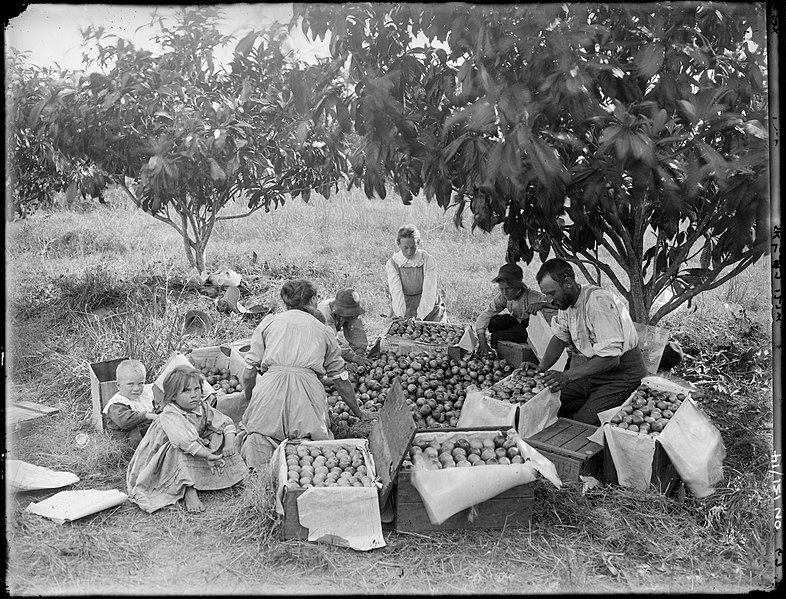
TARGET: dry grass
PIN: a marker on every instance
(607, 540)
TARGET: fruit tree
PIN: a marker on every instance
(184, 136)
(633, 134)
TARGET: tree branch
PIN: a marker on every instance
(671, 271)
(675, 302)
(243, 215)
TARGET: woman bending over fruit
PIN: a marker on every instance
(291, 351)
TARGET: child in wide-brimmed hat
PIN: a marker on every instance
(519, 300)
(342, 314)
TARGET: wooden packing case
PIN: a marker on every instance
(387, 444)
(400, 345)
(511, 509)
(389, 441)
(21, 416)
(566, 444)
(513, 353)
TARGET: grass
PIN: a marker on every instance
(99, 283)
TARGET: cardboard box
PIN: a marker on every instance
(400, 345)
(510, 509)
(103, 386)
(384, 451)
(567, 445)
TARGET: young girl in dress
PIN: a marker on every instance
(189, 448)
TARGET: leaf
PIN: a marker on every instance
(622, 147)
(301, 131)
(608, 134)
(155, 164)
(689, 109)
(659, 121)
(649, 59)
(245, 92)
(245, 45)
(71, 193)
(216, 172)
(379, 187)
(453, 147)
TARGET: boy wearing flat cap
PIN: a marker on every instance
(342, 314)
(519, 300)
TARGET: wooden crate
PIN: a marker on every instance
(513, 353)
(22, 416)
(511, 509)
(290, 522)
(565, 443)
(388, 442)
(102, 388)
(395, 344)
(665, 478)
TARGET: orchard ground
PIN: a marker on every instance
(97, 282)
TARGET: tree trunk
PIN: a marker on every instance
(637, 304)
(199, 258)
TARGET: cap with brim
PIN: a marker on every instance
(511, 274)
(347, 304)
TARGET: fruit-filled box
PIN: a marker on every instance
(221, 365)
(345, 463)
(337, 477)
(646, 412)
(659, 436)
(480, 458)
(405, 336)
(566, 443)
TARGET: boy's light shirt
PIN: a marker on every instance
(143, 404)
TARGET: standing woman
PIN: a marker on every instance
(412, 279)
(292, 351)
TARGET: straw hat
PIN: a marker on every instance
(347, 304)
(512, 274)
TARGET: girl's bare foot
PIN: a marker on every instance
(192, 501)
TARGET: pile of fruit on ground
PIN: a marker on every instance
(434, 454)
(649, 411)
(314, 466)
(434, 385)
(433, 333)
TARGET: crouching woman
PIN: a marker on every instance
(292, 351)
(190, 448)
